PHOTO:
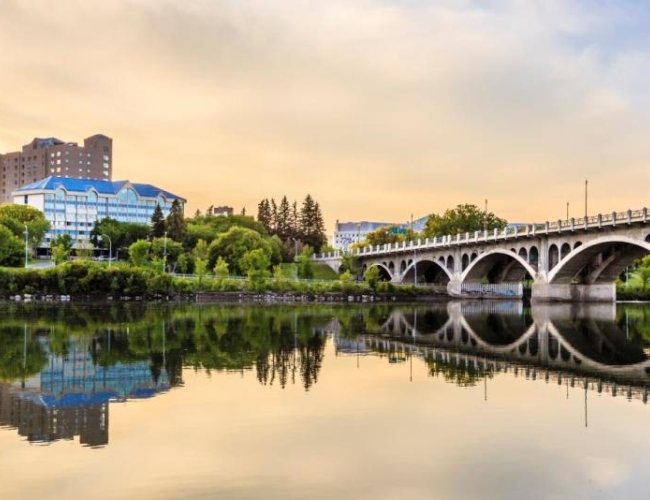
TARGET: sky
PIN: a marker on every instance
(379, 109)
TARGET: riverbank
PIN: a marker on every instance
(87, 280)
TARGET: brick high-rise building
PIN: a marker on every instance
(52, 157)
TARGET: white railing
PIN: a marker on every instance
(528, 230)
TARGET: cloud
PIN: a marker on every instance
(425, 104)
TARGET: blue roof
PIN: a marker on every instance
(102, 187)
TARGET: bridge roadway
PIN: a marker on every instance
(555, 342)
(566, 260)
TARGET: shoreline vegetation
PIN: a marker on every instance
(88, 280)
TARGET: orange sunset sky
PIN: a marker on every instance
(379, 109)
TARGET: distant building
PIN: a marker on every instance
(223, 211)
(72, 206)
(348, 233)
(51, 156)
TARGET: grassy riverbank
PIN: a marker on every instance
(87, 279)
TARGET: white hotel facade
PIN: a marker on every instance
(72, 206)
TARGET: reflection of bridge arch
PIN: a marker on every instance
(515, 346)
(587, 363)
(563, 344)
(599, 261)
(398, 323)
(500, 265)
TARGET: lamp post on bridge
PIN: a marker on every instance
(415, 257)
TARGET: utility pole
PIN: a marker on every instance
(586, 184)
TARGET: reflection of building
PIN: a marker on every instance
(45, 421)
(70, 396)
(51, 156)
(72, 206)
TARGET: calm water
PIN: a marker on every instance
(471, 400)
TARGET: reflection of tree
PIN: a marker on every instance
(464, 375)
(282, 344)
(634, 320)
(21, 356)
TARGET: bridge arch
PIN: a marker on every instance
(553, 256)
(384, 273)
(429, 271)
(599, 261)
(512, 266)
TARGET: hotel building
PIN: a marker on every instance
(72, 206)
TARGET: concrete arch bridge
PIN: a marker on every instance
(565, 260)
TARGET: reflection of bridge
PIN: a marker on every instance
(71, 395)
(570, 260)
(494, 336)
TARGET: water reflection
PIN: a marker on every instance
(61, 367)
(605, 345)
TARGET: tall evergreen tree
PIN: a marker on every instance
(157, 223)
(264, 214)
(274, 218)
(294, 229)
(312, 226)
(284, 218)
(175, 223)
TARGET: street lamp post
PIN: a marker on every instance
(26, 245)
(110, 248)
(295, 258)
(165, 253)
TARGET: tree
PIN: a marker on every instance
(221, 269)
(283, 224)
(264, 214)
(312, 226)
(372, 277)
(157, 223)
(61, 248)
(175, 223)
(139, 252)
(166, 250)
(232, 246)
(306, 263)
(201, 250)
(11, 248)
(350, 263)
(15, 217)
(644, 276)
(386, 235)
(462, 219)
(255, 264)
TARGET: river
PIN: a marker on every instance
(452, 401)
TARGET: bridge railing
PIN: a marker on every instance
(528, 230)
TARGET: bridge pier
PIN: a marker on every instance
(545, 292)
